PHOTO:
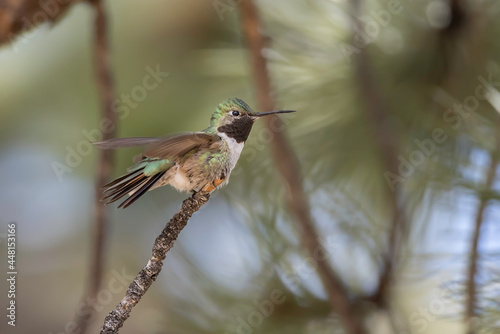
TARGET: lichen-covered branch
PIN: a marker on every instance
(163, 243)
(288, 166)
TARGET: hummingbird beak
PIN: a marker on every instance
(265, 113)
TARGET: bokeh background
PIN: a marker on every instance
(243, 248)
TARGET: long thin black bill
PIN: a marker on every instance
(265, 113)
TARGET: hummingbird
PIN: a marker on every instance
(191, 162)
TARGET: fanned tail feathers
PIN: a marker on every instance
(135, 184)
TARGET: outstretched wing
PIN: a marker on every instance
(162, 148)
(179, 145)
(156, 160)
(126, 142)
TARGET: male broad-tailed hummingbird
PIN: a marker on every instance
(194, 161)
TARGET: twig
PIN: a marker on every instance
(471, 298)
(105, 85)
(19, 16)
(376, 108)
(289, 169)
(163, 243)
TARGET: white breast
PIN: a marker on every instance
(235, 149)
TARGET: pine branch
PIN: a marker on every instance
(163, 243)
(20, 16)
(288, 166)
(106, 90)
(471, 298)
(377, 111)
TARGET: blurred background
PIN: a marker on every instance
(239, 266)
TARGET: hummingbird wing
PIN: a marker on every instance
(170, 147)
(126, 142)
(178, 146)
(156, 160)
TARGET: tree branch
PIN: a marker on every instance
(470, 306)
(376, 109)
(288, 166)
(19, 16)
(163, 243)
(105, 87)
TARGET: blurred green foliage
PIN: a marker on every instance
(427, 59)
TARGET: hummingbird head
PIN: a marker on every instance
(235, 119)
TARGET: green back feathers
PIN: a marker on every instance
(152, 166)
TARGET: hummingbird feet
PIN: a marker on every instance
(209, 187)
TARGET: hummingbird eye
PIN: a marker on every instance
(235, 113)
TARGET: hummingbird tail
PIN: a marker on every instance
(135, 184)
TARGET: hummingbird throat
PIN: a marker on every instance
(239, 129)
